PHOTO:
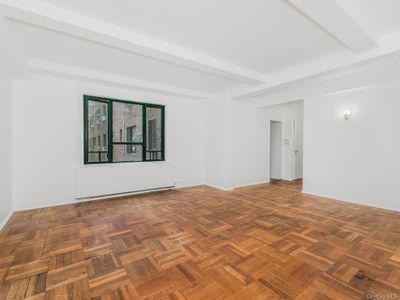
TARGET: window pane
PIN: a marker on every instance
(154, 155)
(127, 122)
(154, 134)
(127, 153)
(94, 157)
(97, 122)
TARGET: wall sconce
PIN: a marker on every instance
(347, 114)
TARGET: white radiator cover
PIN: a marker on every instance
(100, 180)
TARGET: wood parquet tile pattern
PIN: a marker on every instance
(260, 242)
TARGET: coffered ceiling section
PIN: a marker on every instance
(378, 16)
(209, 49)
(262, 35)
(46, 45)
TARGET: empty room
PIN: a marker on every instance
(200, 149)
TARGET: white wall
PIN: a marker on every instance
(219, 143)
(250, 145)
(356, 160)
(223, 143)
(6, 205)
(48, 164)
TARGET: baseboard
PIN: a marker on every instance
(189, 183)
(6, 219)
(226, 189)
(236, 186)
(334, 198)
(251, 183)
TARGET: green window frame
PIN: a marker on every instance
(105, 156)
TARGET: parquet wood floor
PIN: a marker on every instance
(260, 242)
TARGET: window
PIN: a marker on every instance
(122, 131)
(130, 137)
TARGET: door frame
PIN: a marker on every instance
(281, 149)
(294, 157)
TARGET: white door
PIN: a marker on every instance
(298, 149)
(275, 161)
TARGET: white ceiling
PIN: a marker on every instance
(382, 16)
(264, 35)
(60, 48)
(211, 48)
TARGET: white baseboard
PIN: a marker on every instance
(236, 186)
(189, 182)
(335, 198)
(5, 220)
(220, 187)
(251, 183)
(208, 182)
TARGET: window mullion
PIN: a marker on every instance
(163, 133)
(110, 132)
(85, 130)
(144, 125)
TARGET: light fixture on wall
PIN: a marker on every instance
(347, 114)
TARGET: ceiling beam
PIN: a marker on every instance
(389, 50)
(47, 15)
(12, 58)
(37, 66)
(329, 15)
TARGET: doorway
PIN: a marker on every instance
(275, 161)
